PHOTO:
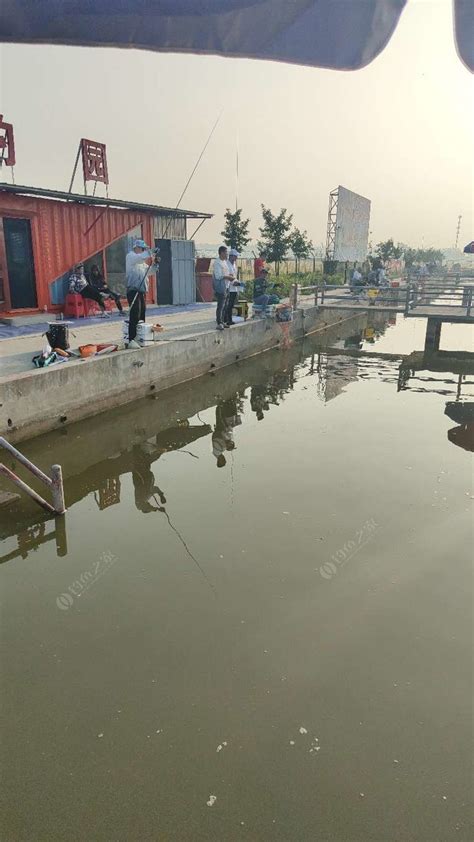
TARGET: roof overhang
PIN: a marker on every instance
(99, 201)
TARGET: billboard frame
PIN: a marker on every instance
(333, 225)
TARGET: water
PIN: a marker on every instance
(274, 649)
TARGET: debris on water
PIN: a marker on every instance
(292, 742)
(445, 797)
(362, 794)
(221, 746)
(303, 730)
(395, 761)
(100, 735)
(285, 513)
(212, 800)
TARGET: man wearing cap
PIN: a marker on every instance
(263, 292)
(137, 264)
(221, 279)
(233, 286)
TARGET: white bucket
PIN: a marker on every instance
(144, 332)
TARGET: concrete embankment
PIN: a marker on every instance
(36, 402)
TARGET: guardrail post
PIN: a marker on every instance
(407, 299)
(469, 303)
(55, 482)
(57, 489)
(294, 296)
(322, 292)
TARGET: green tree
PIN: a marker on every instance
(388, 250)
(301, 246)
(276, 236)
(410, 256)
(236, 230)
(430, 256)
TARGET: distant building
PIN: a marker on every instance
(44, 233)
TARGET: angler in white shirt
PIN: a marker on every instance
(221, 278)
(137, 263)
(234, 286)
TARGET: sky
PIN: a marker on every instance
(399, 131)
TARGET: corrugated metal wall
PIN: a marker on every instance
(64, 233)
(174, 229)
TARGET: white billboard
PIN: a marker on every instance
(352, 226)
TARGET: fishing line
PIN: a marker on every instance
(178, 534)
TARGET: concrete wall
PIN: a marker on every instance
(36, 402)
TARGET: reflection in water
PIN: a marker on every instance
(29, 538)
(336, 681)
(227, 417)
(143, 479)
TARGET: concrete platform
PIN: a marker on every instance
(37, 401)
(20, 321)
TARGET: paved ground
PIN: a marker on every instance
(16, 353)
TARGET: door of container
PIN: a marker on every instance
(184, 281)
(20, 263)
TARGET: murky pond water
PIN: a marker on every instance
(254, 622)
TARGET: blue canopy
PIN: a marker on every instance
(340, 34)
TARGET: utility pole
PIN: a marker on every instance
(457, 231)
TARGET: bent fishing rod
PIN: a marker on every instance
(173, 215)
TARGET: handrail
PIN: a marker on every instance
(415, 292)
(55, 482)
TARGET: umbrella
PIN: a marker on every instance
(340, 34)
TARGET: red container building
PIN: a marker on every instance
(44, 233)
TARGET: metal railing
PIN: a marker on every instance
(54, 482)
(414, 295)
(424, 294)
(390, 297)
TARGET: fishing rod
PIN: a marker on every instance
(173, 215)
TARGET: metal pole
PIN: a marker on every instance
(407, 300)
(26, 462)
(75, 168)
(24, 487)
(57, 489)
(469, 302)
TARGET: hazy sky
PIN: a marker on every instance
(400, 131)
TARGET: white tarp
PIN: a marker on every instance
(352, 226)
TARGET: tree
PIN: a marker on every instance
(236, 230)
(276, 237)
(388, 250)
(410, 256)
(429, 256)
(301, 245)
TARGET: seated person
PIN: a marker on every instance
(263, 292)
(78, 283)
(356, 282)
(97, 280)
